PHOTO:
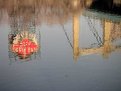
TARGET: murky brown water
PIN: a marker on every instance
(55, 45)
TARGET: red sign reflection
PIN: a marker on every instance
(25, 47)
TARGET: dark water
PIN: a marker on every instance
(78, 46)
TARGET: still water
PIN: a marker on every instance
(60, 45)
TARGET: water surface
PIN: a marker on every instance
(76, 47)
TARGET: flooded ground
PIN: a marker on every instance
(60, 45)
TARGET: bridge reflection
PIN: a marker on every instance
(110, 33)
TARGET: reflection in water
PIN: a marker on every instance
(112, 6)
(107, 46)
(25, 15)
(24, 41)
(35, 26)
(23, 44)
(111, 32)
(45, 10)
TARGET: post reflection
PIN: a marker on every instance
(25, 15)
